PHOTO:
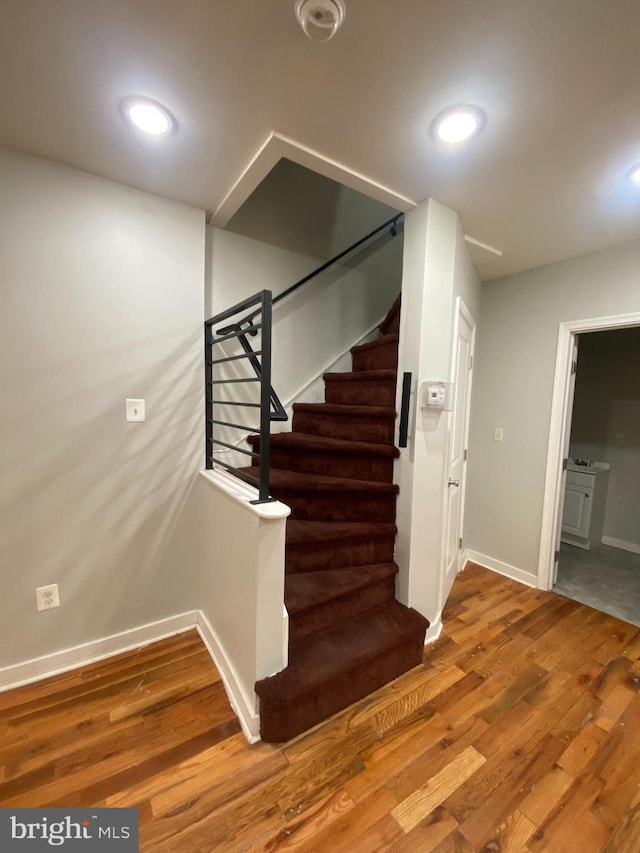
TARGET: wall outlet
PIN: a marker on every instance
(498, 434)
(47, 597)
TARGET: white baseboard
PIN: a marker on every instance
(244, 706)
(501, 568)
(36, 669)
(40, 668)
(433, 631)
(620, 543)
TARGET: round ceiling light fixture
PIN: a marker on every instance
(320, 19)
(458, 124)
(148, 116)
(634, 175)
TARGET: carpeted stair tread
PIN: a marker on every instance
(387, 374)
(293, 482)
(346, 411)
(304, 441)
(310, 589)
(361, 387)
(326, 545)
(373, 424)
(379, 354)
(346, 648)
(306, 532)
(376, 343)
(333, 668)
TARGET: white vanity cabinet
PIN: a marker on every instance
(585, 495)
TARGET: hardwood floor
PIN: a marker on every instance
(521, 732)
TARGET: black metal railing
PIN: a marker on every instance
(260, 362)
(239, 330)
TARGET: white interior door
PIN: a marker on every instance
(565, 449)
(462, 368)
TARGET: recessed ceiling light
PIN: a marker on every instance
(148, 116)
(458, 124)
(634, 174)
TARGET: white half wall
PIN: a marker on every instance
(513, 385)
(238, 550)
(436, 270)
(102, 299)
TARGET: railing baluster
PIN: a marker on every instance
(208, 405)
(265, 397)
(260, 362)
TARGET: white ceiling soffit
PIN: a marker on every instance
(278, 146)
(481, 253)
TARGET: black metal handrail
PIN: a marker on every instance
(260, 360)
(391, 224)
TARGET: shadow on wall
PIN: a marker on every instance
(94, 503)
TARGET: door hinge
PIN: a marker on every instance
(465, 455)
(460, 542)
(574, 367)
(556, 556)
(470, 362)
(565, 462)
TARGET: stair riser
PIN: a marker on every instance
(315, 556)
(380, 358)
(374, 392)
(278, 725)
(341, 609)
(375, 469)
(376, 430)
(339, 506)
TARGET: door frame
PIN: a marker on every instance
(460, 309)
(559, 429)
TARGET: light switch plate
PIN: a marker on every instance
(135, 411)
(498, 434)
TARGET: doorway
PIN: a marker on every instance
(599, 560)
(561, 448)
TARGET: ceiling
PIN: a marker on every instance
(545, 180)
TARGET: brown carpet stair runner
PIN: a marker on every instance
(348, 635)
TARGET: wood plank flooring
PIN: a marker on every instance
(520, 732)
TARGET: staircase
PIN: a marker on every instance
(347, 633)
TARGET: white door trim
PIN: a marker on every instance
(460, 310)
(558, 432)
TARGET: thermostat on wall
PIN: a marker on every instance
(437, 396)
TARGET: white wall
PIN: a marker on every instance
(515, 362)
(606, 423)
(436, 270)
(295, 221)
(102, 299)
